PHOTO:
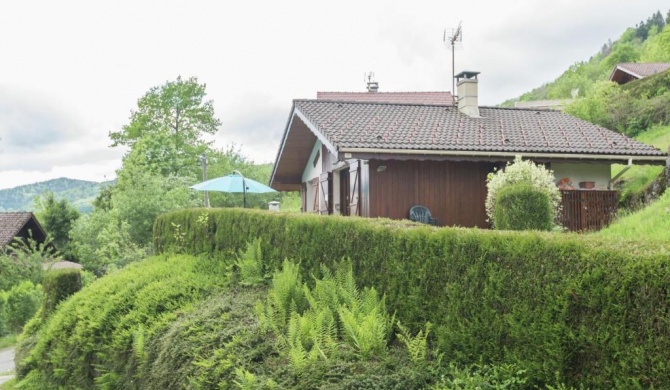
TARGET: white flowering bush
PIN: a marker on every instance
(522, 172)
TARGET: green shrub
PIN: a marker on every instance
(566, 308)
(22, 303)
(98, 337)
(526, 173)
(58, 286)
(3, 314)
(522, 207)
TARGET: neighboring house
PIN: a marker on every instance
(544, 104)
(625, 73)
(21, 225)
(378, 159)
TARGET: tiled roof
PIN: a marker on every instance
(11, 224)
(641, 70)
(434, 98)
(426, 127)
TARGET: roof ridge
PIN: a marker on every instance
(371, 102)
(382, 92)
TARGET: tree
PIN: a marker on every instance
(57, 218)
(168, 126)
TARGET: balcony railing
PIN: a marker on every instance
(588, 209)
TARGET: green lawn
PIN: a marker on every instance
(7, 341)
(639, 177)
(651, 223)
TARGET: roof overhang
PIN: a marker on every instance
(299, 138)
(388, 154)
(621, 75)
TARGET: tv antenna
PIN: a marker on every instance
(454, 38)
(368, 78)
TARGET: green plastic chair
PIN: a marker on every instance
(421, 214)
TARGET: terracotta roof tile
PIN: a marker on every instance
(434, 98)
(11, 224)
(438, 127)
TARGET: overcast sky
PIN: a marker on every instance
(71, 71)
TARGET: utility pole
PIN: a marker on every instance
(203, 160)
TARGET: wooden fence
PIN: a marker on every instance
(588, 209)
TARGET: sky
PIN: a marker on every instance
(71, 71)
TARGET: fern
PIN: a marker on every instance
(138, 343)
(417, 346)
(250, 264)
(245, 380)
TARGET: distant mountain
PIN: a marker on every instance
(80, 193)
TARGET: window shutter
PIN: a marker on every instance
(354, 188)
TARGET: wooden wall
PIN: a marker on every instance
(454, 192)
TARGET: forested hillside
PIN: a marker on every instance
(80, 193)
(648, 41)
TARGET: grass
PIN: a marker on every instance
(651, 223)
(7, 341)
(640, 177)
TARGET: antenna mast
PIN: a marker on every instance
(455, 37)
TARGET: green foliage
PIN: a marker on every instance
(650, 223)
(523, 207)
(168, 125)
(140, 197)
(21, 304)
(313, 324)
(57, 217)
(483, 377)
(3, 314)
(58, 286)
(566, 308)
(417, 346)
(23, 261)
(89, 341)
(252, 269)
(525, 173)
(101, 241)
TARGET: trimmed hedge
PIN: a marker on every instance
(58, 286)
(564, 307)
(96, 339)
(523, 207)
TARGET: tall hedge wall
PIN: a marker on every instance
(562, 306)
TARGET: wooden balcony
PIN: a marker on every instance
(585, 210)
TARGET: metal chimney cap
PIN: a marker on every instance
(467, 74)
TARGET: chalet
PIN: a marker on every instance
(625, 73)
(22, 225)
(379, 158)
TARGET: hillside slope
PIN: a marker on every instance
(80, 193)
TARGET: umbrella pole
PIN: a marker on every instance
(244, 189)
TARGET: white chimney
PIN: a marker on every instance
(466, 86)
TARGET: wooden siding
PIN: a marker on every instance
(454, 192)
(588, 210)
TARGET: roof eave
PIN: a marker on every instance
(282, 144)
(656, 160)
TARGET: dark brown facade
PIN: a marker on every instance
(455, 192)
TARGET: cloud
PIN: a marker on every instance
(256, 130)
(30, 123)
